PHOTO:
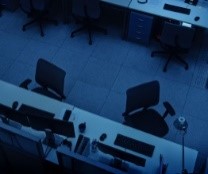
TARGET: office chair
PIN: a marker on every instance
(1, 7)
(175, 39)
(139, 114)
(88, 11)
(50, 79)
(38, 10)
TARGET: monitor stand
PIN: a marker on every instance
(51, 139)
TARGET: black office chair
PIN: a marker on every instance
(38, 10)
(138, 113)
(175, 39)
(1, 7)
(88, 11)
(50, 79)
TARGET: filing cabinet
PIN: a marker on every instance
(140, 26)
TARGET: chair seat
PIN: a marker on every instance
(47, 93)
(149, 121)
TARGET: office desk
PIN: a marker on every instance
(120, 5)
(96, 125)
(155, 7)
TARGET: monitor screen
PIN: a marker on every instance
(21, 140)
(30, 110)
(57, 126)
(14, 115)
(39, 122)
(79, 164)
(21, 150)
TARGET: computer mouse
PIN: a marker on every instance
(196, 18)
(14, 105)
(103, 137)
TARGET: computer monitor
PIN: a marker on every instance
(62, 127)
(22, 150)
(57, 126)
(39, 122)
(120, 154)
(31, 110)
(14, 115)
(79, 164)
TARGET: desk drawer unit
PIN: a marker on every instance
(140, 26)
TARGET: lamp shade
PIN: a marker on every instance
(180, 124)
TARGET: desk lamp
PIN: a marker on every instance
(182, 125)
(192, 2)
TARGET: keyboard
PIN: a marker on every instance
(134, 145)
(177, 9)
(29, 110)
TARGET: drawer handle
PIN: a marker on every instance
(140, 26)
(139, 32)
(141, 20)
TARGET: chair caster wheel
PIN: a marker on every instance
(23, 29)
(186, 68)
(72, 35)
(90, 42)
(42, 34)
(152, 54)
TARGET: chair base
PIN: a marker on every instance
(90, 28)
(40, 20)
(171, 55)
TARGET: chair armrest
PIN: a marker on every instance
(25, 83)
(169, 109)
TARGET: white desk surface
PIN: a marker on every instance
(96, 125)
(155, 7)
(10, 93)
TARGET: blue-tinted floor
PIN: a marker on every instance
(98, 75)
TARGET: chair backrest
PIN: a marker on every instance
(40, 4)
(89, 8)
(50, 76)
(25, 5)
(177, 35)
(142, 96)
(28, 5)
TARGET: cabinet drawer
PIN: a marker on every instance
(140, 26)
